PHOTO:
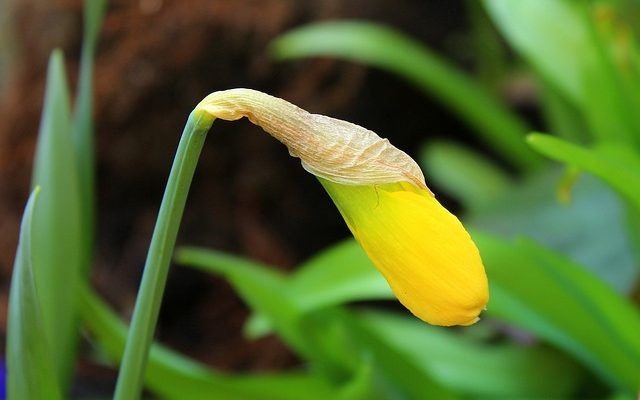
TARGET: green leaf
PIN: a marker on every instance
(390, 50)
(31, 375)
(475, 368)
(463, 173)
(262, 287)
(489, 51)
(319, 337)
(558, 39)
(173, 376)
(561, 302)
(339, 274)
(57, 240)
(615, 164)
(562, 117)
(531, 208)
(82, 127)
(398, 374)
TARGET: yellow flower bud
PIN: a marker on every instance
(423, 251)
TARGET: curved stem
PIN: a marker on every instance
(145, 314)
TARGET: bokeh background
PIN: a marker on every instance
(156, 59)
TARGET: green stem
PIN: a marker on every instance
(145, 314)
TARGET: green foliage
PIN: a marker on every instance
(557, 300)
(82, 130)
(572, 226)
(564, 42)
(173, 376)
(616, 164)
(464, 174)
(31, 373)
(406, 353)
(56, 226)
(467, 365)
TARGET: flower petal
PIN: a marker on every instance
(423, 251)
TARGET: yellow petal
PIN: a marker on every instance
(423, 251)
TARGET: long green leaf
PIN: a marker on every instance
(388, 49)
(398, 374)
(530, 207)
(82, 126)
(266, 293)
(57, 238)
(463, 174)
(327, 338)
(339, 274)
(557, 37)
(474, 368)
(617, 165)
(173, 376)
(31, 374)
(553, 298)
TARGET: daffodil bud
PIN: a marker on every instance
(423, 251)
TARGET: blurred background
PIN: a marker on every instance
(156, 60)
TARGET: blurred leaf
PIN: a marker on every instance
(82, 127)
(557, 300)
(390, 50)
(339, 274)
(326, 333)
(557, 38)
(489, 50)
(265, 292)
(617, 165)
(561, 116)
(174, 376)
(397, 374)
(489, 371)
(31, 375)
(531, 208)
(614, 26)
(463, 174)
(57, 240)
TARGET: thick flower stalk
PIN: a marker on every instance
(423, 251)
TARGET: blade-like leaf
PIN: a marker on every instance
(339, 274)
(463, 173)
(398, 375)
(617, 165)
(174, 376)
(553, 298)
(31, 373)
(262, 287)
(557, 37)
(57, 240)
(324, 337)
(531, 208)
(491, 371)
(82, 127)
(388, 49)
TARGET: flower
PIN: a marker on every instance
(423, 251)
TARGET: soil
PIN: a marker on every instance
(156, 60)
